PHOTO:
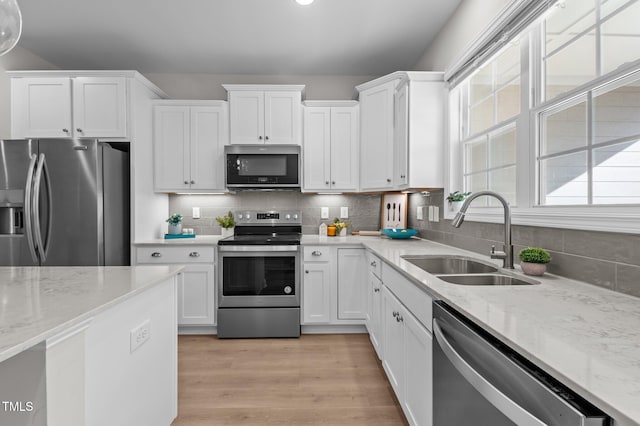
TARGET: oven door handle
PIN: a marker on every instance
(260, 248)
(502, 402)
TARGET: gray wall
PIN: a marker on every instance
(605, 259)
(364, 209)
(468, 21)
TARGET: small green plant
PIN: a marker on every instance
(175, 219)
(457, 196)
(227, 221)
(339, 225)
(535, 255)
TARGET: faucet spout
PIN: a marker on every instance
(507, 254)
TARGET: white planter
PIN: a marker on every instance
(343, 232)
(175, 229)
(227, 232)
(454, 206)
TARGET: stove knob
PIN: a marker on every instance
(247, 216)
(288, 217)
(240, 217)
(295, 217)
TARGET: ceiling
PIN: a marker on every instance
(329, 37)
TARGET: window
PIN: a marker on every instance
(489, 138)
(572, 156)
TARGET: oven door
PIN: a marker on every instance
(258, 276)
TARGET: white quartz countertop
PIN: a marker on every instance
(40, 302)
(585, 336)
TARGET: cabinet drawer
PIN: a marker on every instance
(374, 264)
(417, 301)
(317, 254)
(182, 254)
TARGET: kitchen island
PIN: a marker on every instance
(93, 345)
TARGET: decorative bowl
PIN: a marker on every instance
(399, 233)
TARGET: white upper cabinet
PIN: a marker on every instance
(189, 139)
(376, 137)
(330, 146)
(265, 114)
(52, 107)
(402, 131)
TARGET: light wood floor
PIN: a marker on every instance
(313, 380)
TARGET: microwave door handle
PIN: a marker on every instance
(28, 208)
(502, 402)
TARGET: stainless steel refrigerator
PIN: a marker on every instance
(64, 202)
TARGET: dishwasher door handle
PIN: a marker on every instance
(502, 402)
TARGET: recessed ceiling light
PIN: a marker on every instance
(304, 2)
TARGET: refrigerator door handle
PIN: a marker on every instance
(28, 208)
(42, 247)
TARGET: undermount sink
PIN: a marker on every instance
(438, 265)
(486, 279)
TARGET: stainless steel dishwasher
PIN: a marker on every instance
(478, 380)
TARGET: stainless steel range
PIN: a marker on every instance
(259, 276)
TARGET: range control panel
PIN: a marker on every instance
(257, 217)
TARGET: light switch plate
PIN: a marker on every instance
(344, 212)
(324, 212)
(436, 214)
(195, 212)
(431, 213)
(420, 213)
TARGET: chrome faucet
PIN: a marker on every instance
(507, 254)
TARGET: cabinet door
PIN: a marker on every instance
(393, 336)
(100, 107)
(208, 136)
(282, 117)
(171, 148)
(344, 148)
(196, 296)
(352, 284)
(376, 134)
(317, 149)
(418, 375)
(246, 117)
(316, 293)
(373, 313)
(41, 107)
(401, 139)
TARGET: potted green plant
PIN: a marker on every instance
(227, 223)
(175, 223)
(341, 227)
(533, 260)
(456, 199)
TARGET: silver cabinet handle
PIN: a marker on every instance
(316, 253)
(374, 264)
(388, 180)
(260, 137)
(192, 182)
(266, 138)
(333, 182)
(79, 130)
(65, 130)
(186, 182)
(194, 254)
(376, 290)
(502, 402)
(326, 182)
(306, 271)
(156, 254)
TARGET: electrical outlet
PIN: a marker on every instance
(139, 335)
(420, 213)
(324, 212)
(344, 212)
(195, 212)
(431, 213)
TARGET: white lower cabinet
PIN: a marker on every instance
(352, 284)
(407, 357)
(374, 303)
(316, 293)
(196, 284)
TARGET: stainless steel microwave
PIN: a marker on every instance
(262, 167)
